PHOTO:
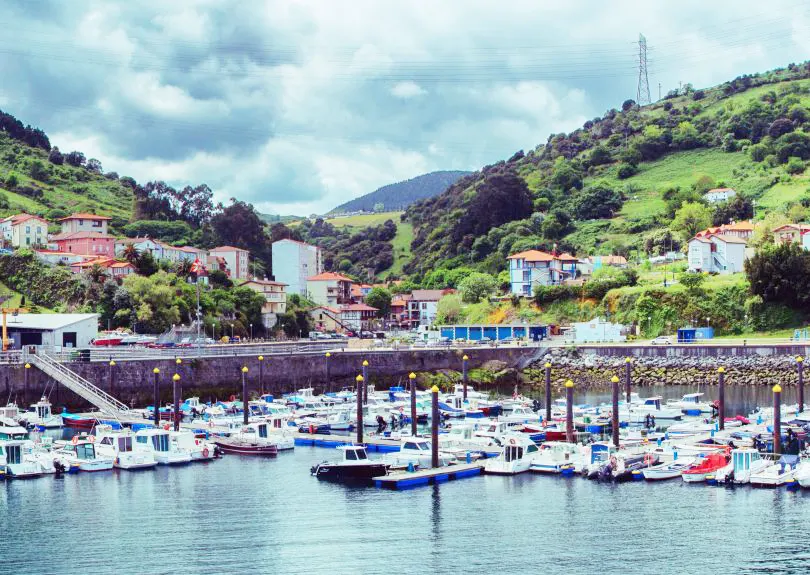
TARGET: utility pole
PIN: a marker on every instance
(659, 90)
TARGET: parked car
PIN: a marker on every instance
(662, 340)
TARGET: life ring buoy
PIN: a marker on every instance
(75, 440)
(165, 427)
(91, 438)
(401, 409)
(232, 398)
(205, 452)
(648, 459)
(512, 441)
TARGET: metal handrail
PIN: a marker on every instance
(78, 384)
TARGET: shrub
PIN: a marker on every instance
(626, 171)
(794, 166)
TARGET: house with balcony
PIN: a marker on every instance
(329, 289)
(399, 310)
(790, 233)
(534, 267)
(113, 269)
(326, 319)
(358, 316)
(717, 195)
(716, 253)
(25, 230)
(85, 243)
(275, 299)
(423, 305)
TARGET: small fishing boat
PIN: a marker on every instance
(519, 453)
(802, 473)
(779, 473)
(354, 467)
(78, 421)
(40, 415)
(703, 467)
(690, 404)
(166, 451)
(520, 414)
(556, 457)
(667, 470)
(636, 413)
(417, 452)
(124, 450)
(13, 461)
(80, 455)
(239, 446)
(744, 462)
(197, 446)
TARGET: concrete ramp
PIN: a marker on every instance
(105, 402)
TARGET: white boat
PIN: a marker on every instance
(697, 426)
(458, 390)
(33, 459)
(518, 455)
(779, 473)
(81, 455)
(166, 451)
(41, 415)
(13, 461)
(690, 404)
(802, 473)
(418, 452)
(555, 456)
(10, 411)
(652, 406)
(122, 447)
(265, 433)
(521, 414)
(744, 462)
(667, 470)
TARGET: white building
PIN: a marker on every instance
(54, 257)
(718, 195)
(423, 305)
(806, 240)
(597, 330)
(532, 268)
(275, 299)
(235, 258)
(24, 230)
(84, 223)
(294, 262)
(52, 329)
(716, 253)
(329, 289)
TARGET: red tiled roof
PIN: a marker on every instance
(263, 283)
(729, 239)
(532, 256)
(81, 236)
(566, 258)
(20, 218)
(357, 307)
(328, 276)
(228, 249)
(84, 216)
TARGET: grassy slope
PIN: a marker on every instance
(64, 191)
(364, 220)
(402, 249)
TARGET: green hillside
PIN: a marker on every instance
(30, 183)
(617, 184)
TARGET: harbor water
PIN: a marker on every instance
(254, 515)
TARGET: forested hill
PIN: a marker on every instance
(631, 182)
(399, 196)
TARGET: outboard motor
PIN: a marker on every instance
(59, 467)
(536, 406)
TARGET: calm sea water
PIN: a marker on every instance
(247, 515)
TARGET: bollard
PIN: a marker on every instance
(464, 361)
(412, 378)
(627, 368)
(614, 423)
(359, 379)
(721, 408)
(569, 411)
(800, 368)
(245, 398)
(777, 419)
(261, 374)
(365, 378)
(434, 428)
(176, 394)
(469, 458)
(156, 390)
(548, 392)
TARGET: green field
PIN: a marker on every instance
(402, 249)
(364, 220)
(783, 193)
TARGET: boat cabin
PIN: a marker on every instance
(653, 402)
(414, 446)
(42, 409)
(353, 453)
(692, 398)
(11, 452)
(82, 450)
(10, 411)
(158, 438)
(122, 443)
(515, 449)
(743, 458)
(10, 430)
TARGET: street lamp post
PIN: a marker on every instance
(244, 396)
(175, 392)
(156, 398)
(261, 373)
(251, 332)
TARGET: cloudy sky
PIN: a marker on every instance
(300, 105)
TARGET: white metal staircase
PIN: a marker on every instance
(105, 402)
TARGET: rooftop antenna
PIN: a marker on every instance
(643, 93)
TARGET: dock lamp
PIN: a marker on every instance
(412, 378)
(156, 390)
(261, 373)
(359, 379)
(244, 396)
(176, 394)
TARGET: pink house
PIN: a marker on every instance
(85, 243)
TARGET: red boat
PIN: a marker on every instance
(74, 420)
(704, 467)
(108, 340)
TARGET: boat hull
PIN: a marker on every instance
(349, 473)
(240, 448)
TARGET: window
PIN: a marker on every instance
(81, 222)
(96, 223)
(424, 305)
(410, 445)
(28, 241)
(27, 229)
(350, 455)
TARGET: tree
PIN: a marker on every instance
(38, 171)
(448, 310)
(599, 201)
(75, 159)
(146, 264)
(692, 281)
(600, 155)
(628, 105)
(475, 286)
(56, 157)
(239, 225)
(736, 209)
(379, 207)
(93, 165)
(691, 218)
(381, 299)
(626, 171)
(794, 166)
(781, 274)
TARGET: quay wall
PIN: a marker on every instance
(131, 381)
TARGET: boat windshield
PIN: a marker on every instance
(125, 443)
(160, 442)
(85, 451)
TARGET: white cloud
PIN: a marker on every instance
(406, 90)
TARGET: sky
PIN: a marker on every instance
(299, 105)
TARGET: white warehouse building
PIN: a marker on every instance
(60, 330)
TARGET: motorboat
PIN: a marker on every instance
(264, 433)
(353, 467)
(123, 449)
(78, 421)
(744, 462)
(802, 473)
(458, 440)
(40, 415)
(13, 461)
(693, 427)
(81, 455)
(10, 411)
(776, 474)
(417, 452)
(519, 453)
(166, 451)
(458, 390)
(520, 414)
(667, 469)
(703, 467)
(197, 446)
(652, 406)
(604, 461)
(244, 446)
(690, 404)
(556, 457)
